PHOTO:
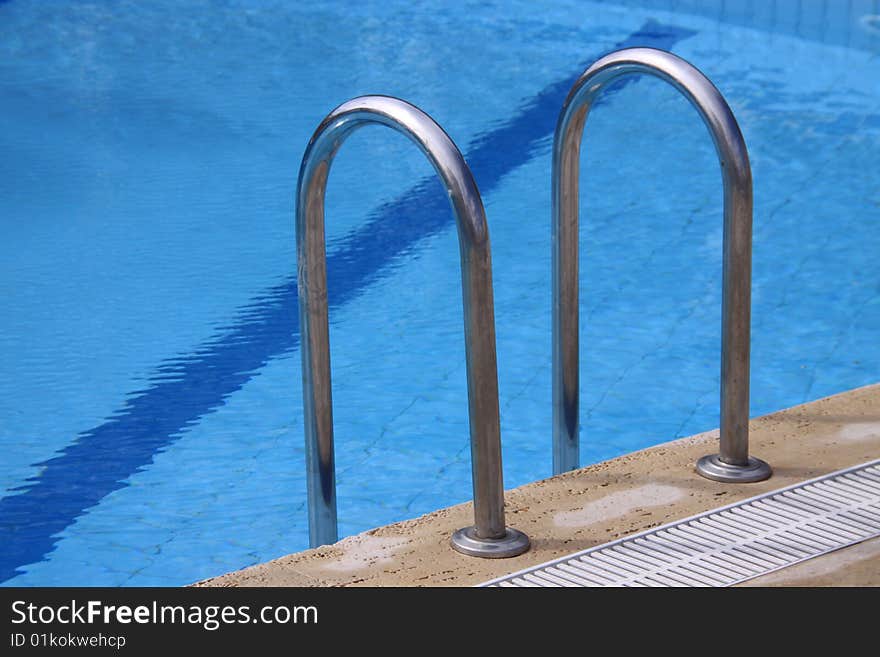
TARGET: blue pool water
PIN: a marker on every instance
(150, 401)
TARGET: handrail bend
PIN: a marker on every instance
(733, 464)
(489, 537)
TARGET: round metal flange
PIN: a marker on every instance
(712, 467)
(513, 542)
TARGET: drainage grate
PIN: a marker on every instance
(732, 544)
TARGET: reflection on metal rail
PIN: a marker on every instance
(489, 537)
(733, 464)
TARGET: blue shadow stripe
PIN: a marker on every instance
(185, 388)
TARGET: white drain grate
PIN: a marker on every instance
(731, 544)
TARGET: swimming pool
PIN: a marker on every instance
(150, 403)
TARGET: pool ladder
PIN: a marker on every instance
(489, 536)
(733, 463)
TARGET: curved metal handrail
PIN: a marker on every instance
(489, 537)
(733, 463)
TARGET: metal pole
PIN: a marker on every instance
(733, 464)
(488, 537)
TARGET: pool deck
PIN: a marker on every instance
(606, 501)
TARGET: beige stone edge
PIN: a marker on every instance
(605, 501)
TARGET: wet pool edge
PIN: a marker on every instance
(606, 501)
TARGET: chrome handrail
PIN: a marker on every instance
(733, 463)
(488, 537)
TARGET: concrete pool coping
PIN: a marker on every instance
(608, 500)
